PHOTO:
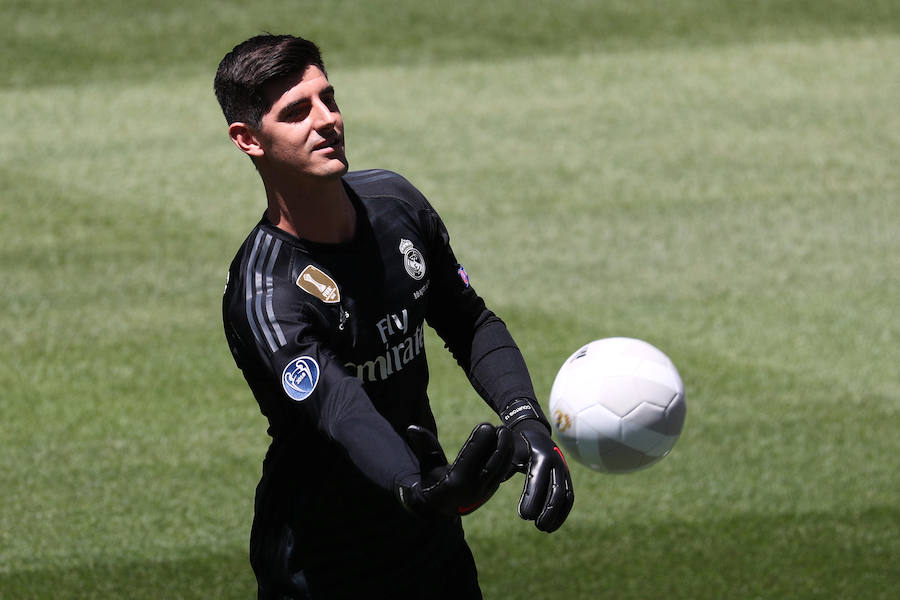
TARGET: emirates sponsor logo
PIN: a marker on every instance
(393, 360)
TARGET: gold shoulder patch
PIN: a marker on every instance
(313, 281)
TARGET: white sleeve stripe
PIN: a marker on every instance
(259, 291)
(258, 287)
(249, 289)
(270, 292)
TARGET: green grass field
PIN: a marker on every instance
(719, 178)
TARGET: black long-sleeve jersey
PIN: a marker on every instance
(330, 338)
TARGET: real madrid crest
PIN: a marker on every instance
(412, 260)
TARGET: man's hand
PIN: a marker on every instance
(460, 488)
(547, 496)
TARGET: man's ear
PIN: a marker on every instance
(245, 138)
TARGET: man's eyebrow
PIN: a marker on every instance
(288, 108)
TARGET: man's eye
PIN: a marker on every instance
(297, 114)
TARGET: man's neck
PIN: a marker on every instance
(318, 212)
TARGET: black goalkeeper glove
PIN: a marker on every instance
(547, 496)
(462, 487)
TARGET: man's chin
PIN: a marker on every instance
(334, 169)
(340, 171)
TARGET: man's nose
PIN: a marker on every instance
(325, 116)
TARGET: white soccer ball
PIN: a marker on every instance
(617, 405)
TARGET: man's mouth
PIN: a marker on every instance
(332, 143)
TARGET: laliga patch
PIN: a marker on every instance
(412, 260)
(463, 275)
(313, 281)
(300, 377)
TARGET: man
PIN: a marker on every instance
(324, 312)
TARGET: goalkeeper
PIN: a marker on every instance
(324, 313)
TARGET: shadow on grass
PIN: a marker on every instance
(819, 555)
(219, 576)
(797, 556)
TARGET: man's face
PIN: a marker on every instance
(302, 134)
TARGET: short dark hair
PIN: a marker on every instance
(251, 64)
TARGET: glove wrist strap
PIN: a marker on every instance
(522, 409)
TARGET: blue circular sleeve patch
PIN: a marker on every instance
(300, 377)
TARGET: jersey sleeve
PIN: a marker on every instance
(286, 352)
(337, 406)
(477, 338)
